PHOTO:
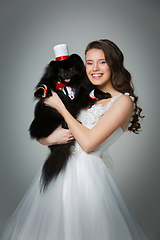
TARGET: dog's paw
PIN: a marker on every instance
(42, 92)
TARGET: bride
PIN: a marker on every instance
(83, 202)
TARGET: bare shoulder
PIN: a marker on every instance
(120, 112)
(122, 105)
(124, 101)
(127, 99)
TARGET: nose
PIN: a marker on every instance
(95, 67)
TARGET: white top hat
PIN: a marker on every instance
(61, 52)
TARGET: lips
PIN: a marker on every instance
(67, 80)
(97, 75)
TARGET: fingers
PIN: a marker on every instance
(63, 135)
(69, 136)
(70, 139)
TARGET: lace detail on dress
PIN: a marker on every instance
(89, 117)
(93, 114)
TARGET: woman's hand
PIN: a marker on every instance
(58, 136)
(54, 101)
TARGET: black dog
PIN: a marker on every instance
(68, 79)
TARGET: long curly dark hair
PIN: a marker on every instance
(120, 77)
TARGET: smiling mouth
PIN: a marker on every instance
(97, 75)
(67, 80)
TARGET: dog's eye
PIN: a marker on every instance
(62, 70)
(71, 69)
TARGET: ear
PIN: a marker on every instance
(52, 63)
(75, 57)
(53, 66)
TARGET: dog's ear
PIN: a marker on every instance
(53, 68)
(77, 62)
(52, 63)
(75, 57)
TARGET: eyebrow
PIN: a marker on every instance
(102, 59)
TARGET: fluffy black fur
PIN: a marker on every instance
(70, 72)
(47, 119)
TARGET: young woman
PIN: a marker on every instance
(83, 202)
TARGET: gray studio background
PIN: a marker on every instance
(29, 30)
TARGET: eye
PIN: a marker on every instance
(89, 63)
(61, 70)
(71, 69)
(102, 62)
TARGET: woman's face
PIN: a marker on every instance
(97, 69)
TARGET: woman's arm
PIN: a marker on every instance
(58, 136)
(119, 113)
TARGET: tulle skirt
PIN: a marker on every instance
(82, 203)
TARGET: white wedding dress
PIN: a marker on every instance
(82, 203)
